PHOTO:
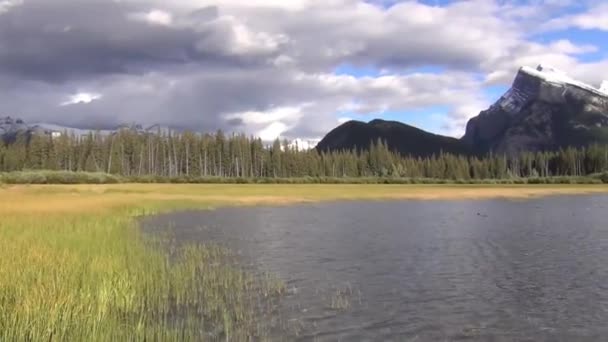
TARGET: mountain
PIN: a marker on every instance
(399, 137)
(11, 127)
(544, 109)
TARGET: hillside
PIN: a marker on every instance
(407, 140)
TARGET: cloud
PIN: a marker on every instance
(67, 40)
(82, 97)
(272, 131)
(6, 5)
(561, 54)
(268, 67)
(595, 18)
(154, 17)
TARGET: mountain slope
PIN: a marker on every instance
(399, 137)
(544, 110)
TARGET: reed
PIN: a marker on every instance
(86, 275)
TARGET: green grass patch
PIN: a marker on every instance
(85, 277)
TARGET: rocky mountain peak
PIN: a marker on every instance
(544, 109)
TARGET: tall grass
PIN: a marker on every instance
(93, 276)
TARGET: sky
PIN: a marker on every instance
(284, 68)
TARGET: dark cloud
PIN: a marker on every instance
(235, 122)
(60, 40)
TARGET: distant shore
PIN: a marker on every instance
(68, 177)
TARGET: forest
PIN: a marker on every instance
(132, 154)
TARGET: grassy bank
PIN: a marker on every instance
(65, 177)
(74, 266)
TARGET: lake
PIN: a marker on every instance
(487, 270)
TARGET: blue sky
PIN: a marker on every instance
(593, 37)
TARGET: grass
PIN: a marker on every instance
(66, 177)
(74, 265)
(83, 272)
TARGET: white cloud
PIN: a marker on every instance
(154, 17)
(275, 114)
(82, 97)
(6, 5)
(567, 47)
(562, 54)
(594, 18)
(246, 40)
(272, 131)
(455, 123)
(291, 5)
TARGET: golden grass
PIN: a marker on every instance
(98, 198)
(73, 265)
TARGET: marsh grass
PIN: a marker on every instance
(93, 276)
(341, 299)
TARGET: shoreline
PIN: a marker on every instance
(94, 198)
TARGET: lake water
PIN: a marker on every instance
(488, 270)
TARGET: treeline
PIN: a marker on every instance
(215, 156)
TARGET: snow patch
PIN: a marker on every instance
(552, 75)
(604, 87)
(551, 69)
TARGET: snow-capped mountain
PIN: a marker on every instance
(10, 127)
(544, 109)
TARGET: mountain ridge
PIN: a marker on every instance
(10, 127)
(357, 135)
(544, 109)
